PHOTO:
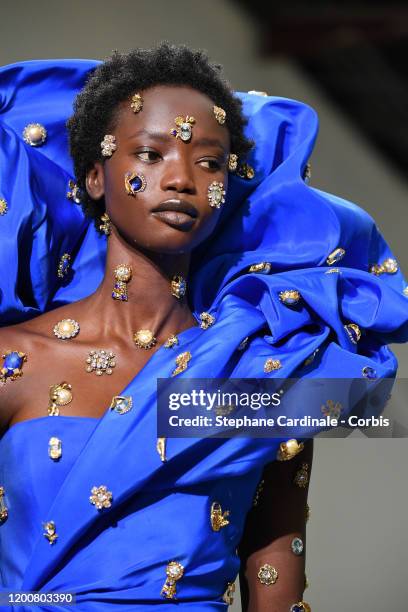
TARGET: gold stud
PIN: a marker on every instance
(405, 291)
(335, 256)
(101, 497)
(228, 596)
(3, 206)
(232, 162)
(60, 395)
(121, 403)
(108, 145)
(174, 571)
(182, 361)
(289, 297)
(272, 364)
(264, 267)
(207, 320)
(219, 114)
(390, 265)
(245, 171)
(289, 449)
(74, 192)
(144, 338)
(267, 574)
(50, 532)
(171, 341)
(54, 448)
(218, 518)
(137, 103)
(66, 329)
(134, 183)
(34, 134)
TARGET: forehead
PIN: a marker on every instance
(163, 103)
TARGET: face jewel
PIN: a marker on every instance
(369, 372)
(307, 173)
(184, 128)
(300, 606)
(106, 225)
(332, 409)
(123, 274)
(219, 114)
(3, 508)
(60, 395)
(161, 448)
(243, 344)
(12, 366)
(121, 404)
(178, 286)
(232, 162)
(74, 192)
(64, 265)
(144, 338)
(134, 183)
(101, 497)
(50, 532)
(289, 449)
(3, 206)
(54, 448)
(66, 328)
(218, 518)
(289, 297)
(207, 320)
(174, 571)
(228, 596)
(108, 145)
(137, 103)
(297, 546)
(272, 364)
(258, 492)
(171, 341)
(100, 362)
(264, 267)
(34, 134)
(182, 362)
(302, 476)
(216, 194)
(335, 256)
(353, 332)
(267, 574)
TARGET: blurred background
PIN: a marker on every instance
(346, 59)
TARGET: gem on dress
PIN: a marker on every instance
(332, 409)
(3, 206)
(134, 183)
(171, 341)
(178, 286)
(218, 518)
(121, 403)
(335, 256)
(174, 571)
(101, 497)
(333, 271)
(216, 194)
(137, 103)
(307, 173)
(184, 128)
(297, 546)
(264, 267)
(353, 332)
(54, 448)
(405, 291)
(302, 476)
(63, 266)
(50, 532)
(60, 395)
(100, 362)
(3, 507)
(245, 171)
(267, 574)
(272, 364)
(300, 606)
(311, 357)
(207, 320)
(219, 114)
(74, 192)
(369, 372)
(289, 297)
(108, 145)
(258, 492)
(12, 365)
(228, 596)
(66, 328)
(388, 266)
(289, 449)
(243, 344)
(181, 362)
(161, 448)
(34, 134)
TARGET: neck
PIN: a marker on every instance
(150, 303)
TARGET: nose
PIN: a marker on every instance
(178, 175)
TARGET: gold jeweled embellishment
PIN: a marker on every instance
(232, 162)
(63, 266)
(101, 497)
(353, 332)
(267, 574)
(207, 320)
(289, 297)
(171, 341)
(174, 571)
(3, 206)
(50, 532)
(218, 518)
(301, 479)
(54, 448)
(161, 448)
(74, 192)
(216, 194)
(258, 493)
(60, 395)
(332, 409)
(144, 338)
(178, 286)
(272, 364)
(13, 365)
(335, 256)
(184, 128)
(181, 362)
(264, 267)
(388, 266)
(228, 596)
(108, 145)
(245, 171)
(289, 449)
(100, 362)
(3, 507)
(307, 173)
(123, 274)
(405, 291)
(297, 546)
(106, 224)
(34, 134)
(300, 606)
(66, 329)
(121, 403)
(311, 357)
(137, 103)
(219, 114)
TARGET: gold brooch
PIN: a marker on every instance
(184, 128)
(264, 267)
(144, 338)
(289, 449)
(60, 395)
(174, 571)
(267, 574)
(3, 206)
(100, 362)
(272, 364)
(66, 328)
(218, 517)
(63, 265)
(101, 497)
(121, 403)
(181, 362)
(50, 532)
(54, 448)
(137, 103)
(228, 596)
(335, 256)
(219, 114)
(34, 134)
(207, 320)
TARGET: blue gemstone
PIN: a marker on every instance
(369, 372)
(13, 361)
(136, 183)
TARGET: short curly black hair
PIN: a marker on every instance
(123, 74)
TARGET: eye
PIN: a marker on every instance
(211, 164)
(148, 155)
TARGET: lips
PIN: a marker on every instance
(181, 206)
(180, 214)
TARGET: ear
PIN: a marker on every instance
(95, 181)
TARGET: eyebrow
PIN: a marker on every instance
(204, 141)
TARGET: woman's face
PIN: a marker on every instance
(175, 171)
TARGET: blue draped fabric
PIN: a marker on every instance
(116, 559)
